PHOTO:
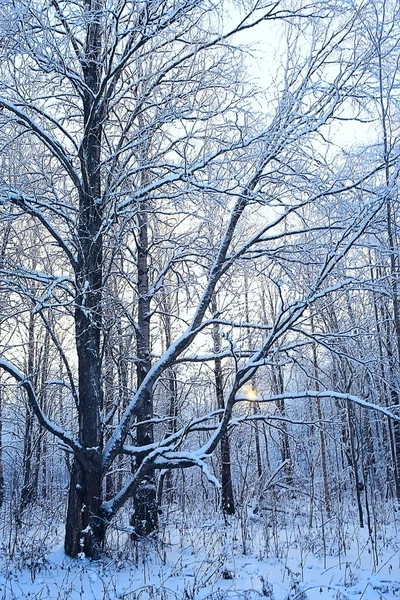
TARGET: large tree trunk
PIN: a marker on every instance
(84, 527)
(84, 531)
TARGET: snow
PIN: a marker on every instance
(242, 560)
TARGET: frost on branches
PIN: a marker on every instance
(184, 250)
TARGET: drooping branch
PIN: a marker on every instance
(53, 145)
(27, 204)
(33, 401)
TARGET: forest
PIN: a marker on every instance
(199, 299)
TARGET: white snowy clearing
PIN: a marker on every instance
(276, 556)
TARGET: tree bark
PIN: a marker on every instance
(28, 490)
(2, 487)
(384, 388)
(144, 520)
(84, 527)
(279, 387)
(321, 430)
(358, 484)
(228, 502)
(387, 145)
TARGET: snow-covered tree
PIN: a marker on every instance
(153, 175)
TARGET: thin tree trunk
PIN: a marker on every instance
(144, 520)
(172, 399)
(321, 430)
(354, 460)
(394, 357)
(385, 392)
(108, 408)
(256, 410)
(40, 463)
(279, 388)
(27, 492)
(3, 251)
(123, 386)
(2, 488)
(394, 400)
(255, 406)
(228, 502)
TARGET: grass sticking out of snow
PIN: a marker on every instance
(285, 559)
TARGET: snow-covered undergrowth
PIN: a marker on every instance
(277, 555)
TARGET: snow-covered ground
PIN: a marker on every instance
(244, 560)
